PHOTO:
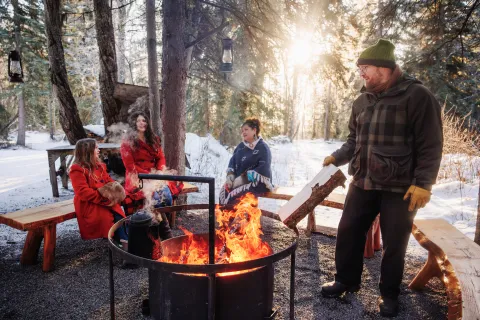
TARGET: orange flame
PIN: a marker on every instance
(238, 237)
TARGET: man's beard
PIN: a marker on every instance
(376, 84)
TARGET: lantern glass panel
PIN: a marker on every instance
(227, 56)
(15, 68)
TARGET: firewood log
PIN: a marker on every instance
(311, 195)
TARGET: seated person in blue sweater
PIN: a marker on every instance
(249, 168)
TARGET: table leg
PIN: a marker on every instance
(373, 236)
(63, 164)
(311, 224)
(430, 269)
(50, 235)
(377, 243)
(31, 247)
(53, 174)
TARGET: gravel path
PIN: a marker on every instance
(78, 288)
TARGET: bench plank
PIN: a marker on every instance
(456, 259)
(334, 200)
(188, 187)
(38, 217)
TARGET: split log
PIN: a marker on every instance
(311, 195)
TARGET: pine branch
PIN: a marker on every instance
(8, 124)
(460, 32)
(206, 35)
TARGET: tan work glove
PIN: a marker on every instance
(229, 182)
(328, 160)
(419, 197)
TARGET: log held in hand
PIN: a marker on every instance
(311, 195)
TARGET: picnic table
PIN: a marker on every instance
(63, 152)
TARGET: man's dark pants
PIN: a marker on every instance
(361, 208)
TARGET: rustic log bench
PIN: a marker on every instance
(334, 200)
(41, 224)
(455, 260)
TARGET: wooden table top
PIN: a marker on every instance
(70, 147)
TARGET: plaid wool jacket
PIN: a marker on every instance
(395, 138)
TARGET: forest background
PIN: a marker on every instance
(294, 61)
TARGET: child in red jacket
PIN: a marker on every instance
(96, 213)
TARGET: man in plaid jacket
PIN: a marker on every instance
(394, 151)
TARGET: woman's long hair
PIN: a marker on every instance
(85, 153)
(150, 138)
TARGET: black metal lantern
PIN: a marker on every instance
(15, 71)
(227, 56)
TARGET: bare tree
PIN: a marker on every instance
(121, 21)
(21, 100)
(328, 107)
(69, 117)
(477, 231)
(153, 93)
(174, 83)
(108, 63)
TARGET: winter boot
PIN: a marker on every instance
(388, 307)
(335, 289)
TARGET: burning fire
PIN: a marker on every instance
(238, 237)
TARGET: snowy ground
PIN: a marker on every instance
(25, 179)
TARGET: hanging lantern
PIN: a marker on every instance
(227, 56)
(15, 72)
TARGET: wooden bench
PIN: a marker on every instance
(334, 200)
(455, 260)
(41, 224)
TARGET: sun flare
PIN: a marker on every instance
(300, 51)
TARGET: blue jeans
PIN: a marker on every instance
(163, 198)
(121, 233)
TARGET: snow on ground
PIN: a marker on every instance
(25, 179)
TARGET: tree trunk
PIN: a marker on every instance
(206, 109)
(51, 115)
(286, 99)
(21, 100)
(108, 63)
(21, 120)
(121, 21)
(328, 106)
(174, 84)
(292, 130)
(69, 117)
(153, 93)
(477, 231)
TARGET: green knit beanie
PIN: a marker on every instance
(379, 55)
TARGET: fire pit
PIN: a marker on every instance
(217, 287)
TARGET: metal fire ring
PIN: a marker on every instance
(197, 268)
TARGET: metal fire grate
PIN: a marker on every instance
(210, 269)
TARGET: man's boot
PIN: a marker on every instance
(335, 289)
(388, 307)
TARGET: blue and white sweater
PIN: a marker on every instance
(254, 159)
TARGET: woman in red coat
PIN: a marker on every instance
(141, 152)
(95, 213)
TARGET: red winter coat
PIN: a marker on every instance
(143, 159)
(94, 215)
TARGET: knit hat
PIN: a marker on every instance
(380, 55)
